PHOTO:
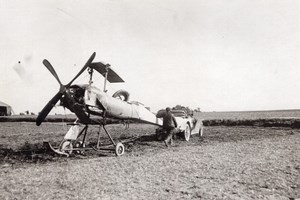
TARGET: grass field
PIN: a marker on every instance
(249, 114)
(237, 162)
(283, 118)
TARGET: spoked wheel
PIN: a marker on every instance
(120, 149)
(187, 132)
(67, 147)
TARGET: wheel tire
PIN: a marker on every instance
(120, 149)
(122, 95)
(201, 131)
(78, 144)
(67, 145)
(187, 132)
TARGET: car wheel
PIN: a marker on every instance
(187, 132)
(201, 131)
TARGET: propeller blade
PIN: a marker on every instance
(51, 69)
(90, 60)
(43, 114)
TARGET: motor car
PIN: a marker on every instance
(187, 125)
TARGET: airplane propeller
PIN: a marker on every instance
(51, 69)
(43, 114)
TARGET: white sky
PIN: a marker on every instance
(217, 55)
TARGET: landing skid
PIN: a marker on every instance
(56, 151)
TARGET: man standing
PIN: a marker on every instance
(169, 125)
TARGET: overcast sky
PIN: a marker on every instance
(217, 55)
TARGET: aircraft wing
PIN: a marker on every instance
(112, 76)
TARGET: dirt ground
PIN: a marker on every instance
(229, 163)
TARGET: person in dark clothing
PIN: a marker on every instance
(169, 125)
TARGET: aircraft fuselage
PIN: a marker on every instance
(86, 99)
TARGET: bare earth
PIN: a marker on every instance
(230, 163)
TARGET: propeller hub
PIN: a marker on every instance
(62, 89)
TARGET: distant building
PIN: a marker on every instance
(5, 109)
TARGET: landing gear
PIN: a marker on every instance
(80, 146)
(71, 145)
(120, 149)
(67, 147)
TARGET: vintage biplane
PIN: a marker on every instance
(87, 101)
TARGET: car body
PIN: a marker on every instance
(187, 125)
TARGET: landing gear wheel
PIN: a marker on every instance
(187, 132)
(67, 147)
(120, 149)
(79, 144)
